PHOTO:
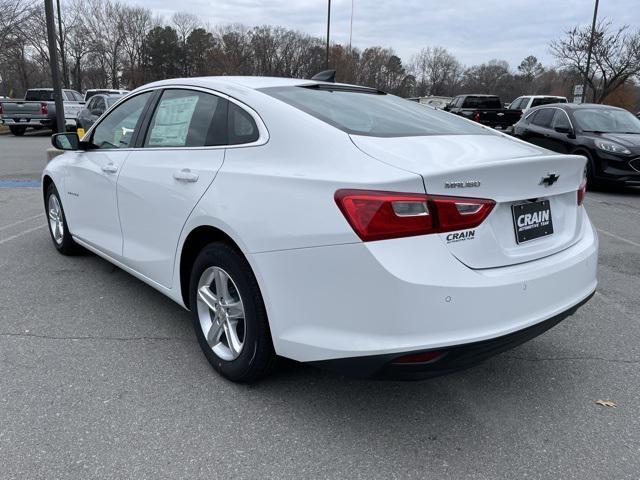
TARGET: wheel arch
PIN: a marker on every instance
(195, 241)
(46, 182)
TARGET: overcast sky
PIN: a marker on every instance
(474, 30)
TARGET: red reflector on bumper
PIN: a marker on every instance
(419, 357)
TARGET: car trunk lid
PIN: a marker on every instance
(496, 167)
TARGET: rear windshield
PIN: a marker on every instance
(547, 100)
(362, 112)
(482, 102)
(39, 96)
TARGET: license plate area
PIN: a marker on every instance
(532, 220)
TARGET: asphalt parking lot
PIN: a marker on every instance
(101, 377)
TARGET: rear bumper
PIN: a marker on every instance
(410, 295)
(450, 359)
(31, 122)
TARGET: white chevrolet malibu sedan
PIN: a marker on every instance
(327, 223)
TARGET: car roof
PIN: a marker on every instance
(543, 96)
(249, 82)
(583, 106)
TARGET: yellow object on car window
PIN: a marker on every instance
(80, 132)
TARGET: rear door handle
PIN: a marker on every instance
(186, 175)
(110, 168)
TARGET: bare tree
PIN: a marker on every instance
(137, 22)
(13, 16)
(615, 56)
(184, 23)
(436, 71)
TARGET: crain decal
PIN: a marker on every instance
(461, 236)
(465, 184)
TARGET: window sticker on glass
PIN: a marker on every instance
(171, 121)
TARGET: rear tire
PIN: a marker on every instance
(17, 131)
(229, 316)
(58, 228)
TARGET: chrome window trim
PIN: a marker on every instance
(263, 132)
(537, 109)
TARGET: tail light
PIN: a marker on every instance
(476, 116)
(1, 109)
(582, 191)
(44, 109)
(376, 215)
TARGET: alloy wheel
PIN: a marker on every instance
(221, 313)
(56, 219)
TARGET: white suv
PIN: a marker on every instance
(530, 101)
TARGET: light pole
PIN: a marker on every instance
(326, 62)
(53, 63)
(586, 73)
(351, 25)
(65, 79)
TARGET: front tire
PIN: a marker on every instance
(229, 316)
(58, 228)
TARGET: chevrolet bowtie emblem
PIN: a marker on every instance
(549, 179)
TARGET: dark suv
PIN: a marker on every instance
(608, 136)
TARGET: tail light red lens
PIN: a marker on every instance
(376, 215)
(476, 116)
(582, 191)
(44, 109)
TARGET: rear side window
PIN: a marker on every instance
(546, 101)
(366, 112)
(242, 127)
(543, 117)
(187, 118)
(482, 102)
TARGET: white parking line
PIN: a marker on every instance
(622, 239)
(4, 227)
(5, 240)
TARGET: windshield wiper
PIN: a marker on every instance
(599, 132)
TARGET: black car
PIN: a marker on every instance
(608, 136)
(96, 106)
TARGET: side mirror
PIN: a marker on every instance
(66, 141)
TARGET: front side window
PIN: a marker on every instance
(366, 112)
(188, 118)
(99, 105)
(560, 120)
(543, 117)
(119, 126)
(515, 105)
(91, 104)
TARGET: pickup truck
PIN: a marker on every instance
(484, 109)
(38, 110)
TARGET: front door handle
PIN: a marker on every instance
(110, 168)
(186, 175)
